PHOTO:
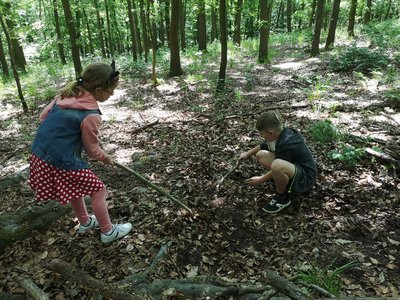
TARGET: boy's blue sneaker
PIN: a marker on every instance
(90, 225)
(278, 202)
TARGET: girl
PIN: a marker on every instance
(68, 124)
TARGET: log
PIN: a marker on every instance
(20, 224)
(285, 286)
(14, 179)
(153, 186)
(30, 288)
(382, 156)
(75, 275)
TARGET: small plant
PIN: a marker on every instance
(324, 277)
(324, 132)
(347, 154)
(357, 59)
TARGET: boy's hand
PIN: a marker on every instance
(256, 180)
(244, 155)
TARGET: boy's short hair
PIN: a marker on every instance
(270, 120)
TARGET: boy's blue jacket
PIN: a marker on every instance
(290, 146)
(58, 140)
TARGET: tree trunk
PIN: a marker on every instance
(332, 25)
(89, 31)
(72, 34)
(265, 19)
(202, 30)
(318, 27)
(3, 60)
(145, 33)
(167, 19)
(59, 36)
(99, 29)
(368, 10)
(109, 35)
(352, 18)
(388, 10)
(19, 57)
(133, 31)
(313, 7)
(238, 21)
(175, 68)
(182, 23)
(224, 44)
(13, 65)
(289, 15)
(279, 14)
(138, 35)
(214, 27)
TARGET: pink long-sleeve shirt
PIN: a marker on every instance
(89, 126)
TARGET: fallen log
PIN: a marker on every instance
(30, 288)
(78, 276)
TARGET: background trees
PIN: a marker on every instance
(71, 30)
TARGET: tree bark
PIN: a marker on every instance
(318, 27)
(58, 32)
(182, 24)
(132, 28)
(352, 18)
(313, 7)
(238, 21)
(89, 31)
(109, 34)
(100, 29)
(265, 19)
(72, 34)
(30, 288)
(289, 15)
(202, 29)
(13, 65)
(368, 10)
(224, 45)
(145, 33)
(175, 68)
(3, 60)
(214, 26)
(332, 25)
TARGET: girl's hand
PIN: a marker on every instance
(108, 160)
(256, 180)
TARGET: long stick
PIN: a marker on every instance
(152, 185)
(227, 174)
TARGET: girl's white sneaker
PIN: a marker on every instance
(118, 231)
(92, 224)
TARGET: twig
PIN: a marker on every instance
(145, 126)
(152, 185)
(318, 289)
(227, 174)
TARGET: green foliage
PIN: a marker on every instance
(347, 154)
(394, 97)
(384, 34)
(324, 277)
(358, 59)
(324, 132)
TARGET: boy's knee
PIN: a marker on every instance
(265, 157)
(282, 166)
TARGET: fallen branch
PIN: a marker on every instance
(227, 174)
(382, 156)
(145, 126)
(30, 288)
(152, 185)
(75, 275)
(285, 286)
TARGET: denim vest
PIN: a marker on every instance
(58, 140)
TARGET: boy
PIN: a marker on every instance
(287, 157)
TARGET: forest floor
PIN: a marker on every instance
(352, 214)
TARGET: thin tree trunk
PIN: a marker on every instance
(313, 7)
(388, 10)
(138, 35)
(59, 36)
(133, 31)
(144, 31)
(368, 10)
(13, 65)
(238, 21)
(182, 24)
(352, 18)
(91, 47)
(202, 29)
(72, 34)
(214, 27)
(175, 68)
(110, 38)
(3, 60)
(289, 15)
(318, 27)
(100, 29)
(161, 33)
(167, 18)
(265, 19)
(333, 23)
(280, 13)
(224, 44)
